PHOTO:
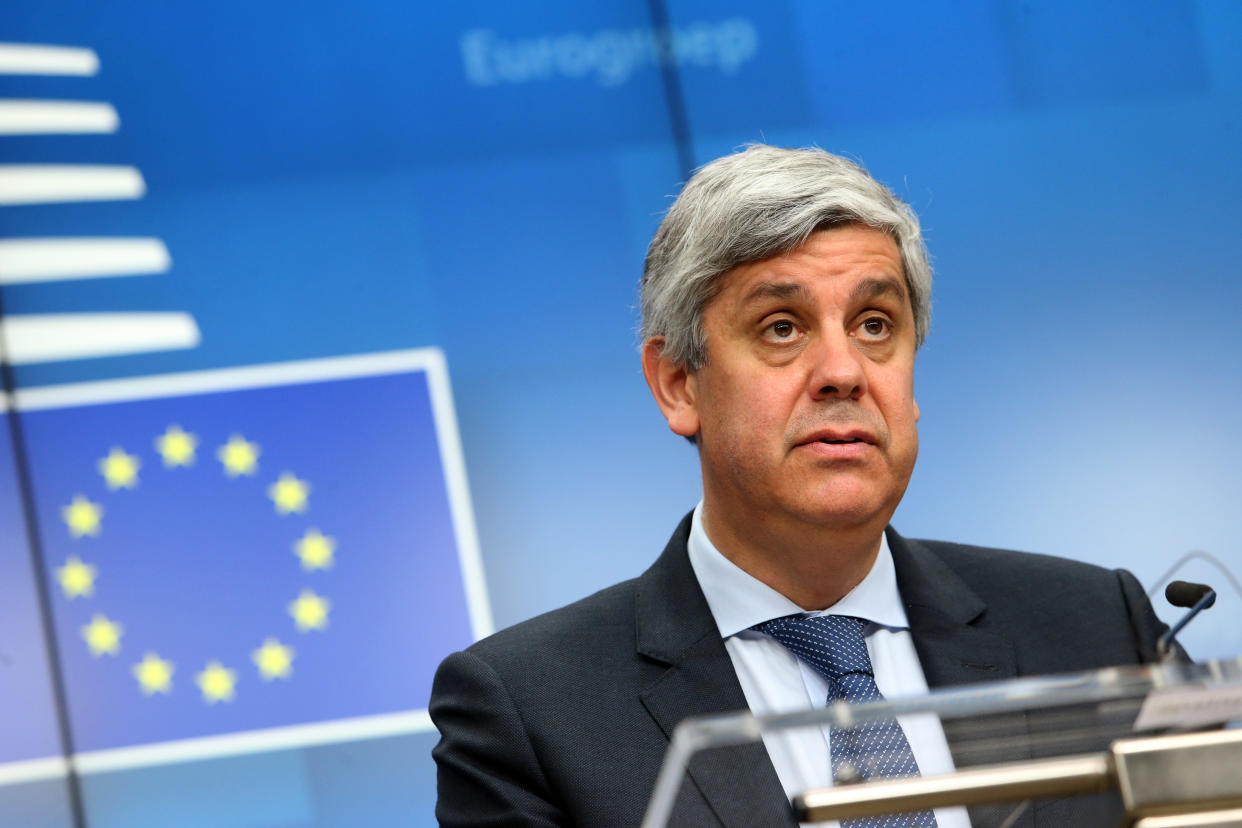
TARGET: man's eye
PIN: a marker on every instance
(782, 329)
(875, 327)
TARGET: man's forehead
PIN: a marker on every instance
(872, 287)
(849, 247)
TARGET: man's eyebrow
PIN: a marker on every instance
(775, 290)
(869, 289)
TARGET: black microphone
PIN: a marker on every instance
(1197, 597)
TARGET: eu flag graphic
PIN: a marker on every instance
(257, 548)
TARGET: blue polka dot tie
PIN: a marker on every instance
(833, 645)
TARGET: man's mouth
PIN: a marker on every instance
(839, 436)
(839, 442)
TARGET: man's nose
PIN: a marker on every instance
(837, 369)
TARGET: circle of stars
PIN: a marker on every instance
(238, 458)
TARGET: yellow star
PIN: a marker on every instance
(103, 636)
(119, 470)
(289, 494)
(310, 611)
(238, 456)
(154, 674)
(273, 659)
(176, 447)
(77, 579)
(216, 681)
(315, 550)
(82, 517)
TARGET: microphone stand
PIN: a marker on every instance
(1164, 645)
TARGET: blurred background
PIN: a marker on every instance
(320, 353)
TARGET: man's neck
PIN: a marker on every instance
(812, 566)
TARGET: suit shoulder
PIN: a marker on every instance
(1026, 569)
(1060, 614)
(1031, 585)
(607, 615)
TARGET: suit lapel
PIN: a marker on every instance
(954, 647)
(943, 613)
(676, 628)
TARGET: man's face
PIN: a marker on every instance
(805, 409)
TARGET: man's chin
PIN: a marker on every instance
(843, 513)
(845, 520)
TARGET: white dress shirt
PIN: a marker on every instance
(775, 681)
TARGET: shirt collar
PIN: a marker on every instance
(739, 601)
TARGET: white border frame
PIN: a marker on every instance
(430, 360)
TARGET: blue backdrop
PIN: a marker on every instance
(483, 179)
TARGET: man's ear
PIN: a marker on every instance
(673, 386)
(916, 410)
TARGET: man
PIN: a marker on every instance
(784, 297)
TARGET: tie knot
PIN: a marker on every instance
(832, 644)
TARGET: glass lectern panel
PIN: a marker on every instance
(1098, 744)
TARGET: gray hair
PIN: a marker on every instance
(755, 204)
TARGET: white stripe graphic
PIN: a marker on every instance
(212, 747)
(254, 741)
(36, 59)
(160, 386)
(58, 259)
(50, 183)
(453, 460)
(30, 117)
(52, 337)
(33, 770)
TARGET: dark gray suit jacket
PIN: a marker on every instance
(564, 719)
